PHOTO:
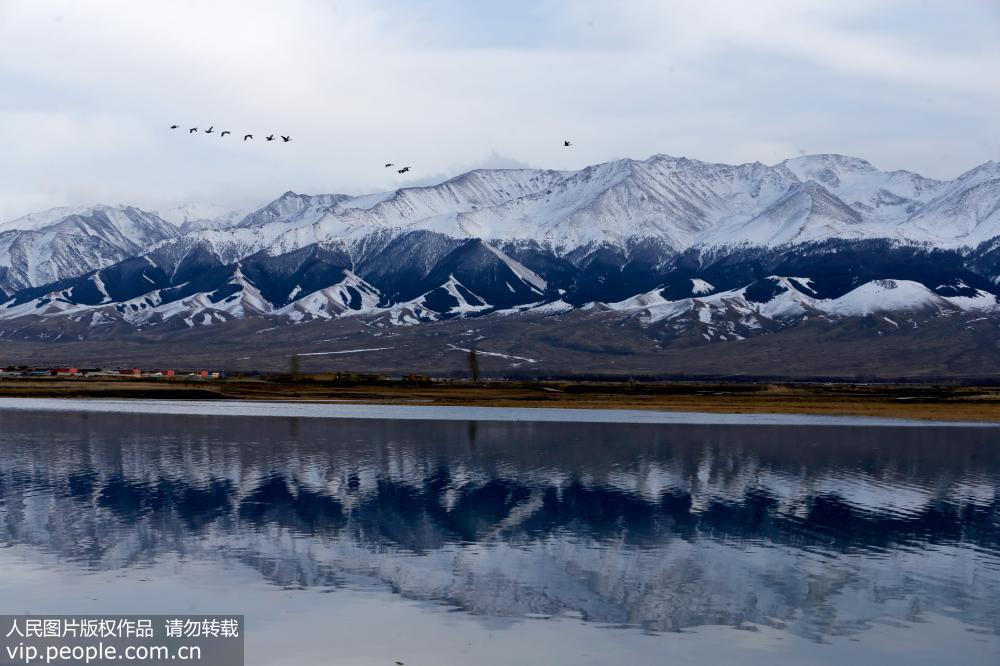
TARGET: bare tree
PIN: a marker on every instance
(474, 365)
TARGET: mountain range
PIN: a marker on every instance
(679, 253)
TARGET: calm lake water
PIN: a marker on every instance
(369, 541)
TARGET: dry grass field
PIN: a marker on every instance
(888, 400)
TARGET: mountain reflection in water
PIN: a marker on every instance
(816, 531)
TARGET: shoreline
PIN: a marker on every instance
(910, 402)
(356, 411)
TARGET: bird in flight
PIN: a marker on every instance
(389, 164)
(209, 130)
(403, 170)
(174, 126)
(269, 137)
(286, 139)
(247, 136)
(566, 144)
(192, 130)
(225, 132)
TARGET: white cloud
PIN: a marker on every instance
(88, 89)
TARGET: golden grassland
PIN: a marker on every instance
(881, 400)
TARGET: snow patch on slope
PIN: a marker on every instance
(520, 270)
(699, 287)
(352, 294)
(733, 314)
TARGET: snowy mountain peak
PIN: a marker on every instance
(290, 207)
(195, 217)
(63, 243)
(673, 235)
(809, 166)
(776, 302)
(46, 218)
(985, 171)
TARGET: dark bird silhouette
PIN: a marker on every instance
(389, 164)
(174, 126)
(269, 137)
(192, 130)
(247, 136)
(403, 170)
(286, 139)
(566, 144)
(225, 132)
(209, 130)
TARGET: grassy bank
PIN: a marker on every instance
(903, 401)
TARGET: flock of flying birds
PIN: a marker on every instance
(286, 139)
(246, 137)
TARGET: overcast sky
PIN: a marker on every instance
(88, 89)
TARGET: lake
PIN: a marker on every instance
(429, 537)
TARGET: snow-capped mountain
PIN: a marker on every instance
(668, 243)
(35, 221)
(967, 209)
(199, 217)
(877, 194)
(777, 302)
(676, 203)
(65, 242)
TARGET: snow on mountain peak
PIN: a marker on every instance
(201, 216)
(508, 238)
(823, 166)
(674, 203)
(67, 242)
(45, 218)
(885, 296)
(986, 170)
(777, 301)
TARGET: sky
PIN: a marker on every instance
(89, 89)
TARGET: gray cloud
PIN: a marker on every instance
(87, 90)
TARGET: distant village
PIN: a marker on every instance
(143, 373)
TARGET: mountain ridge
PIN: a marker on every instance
(673, 245)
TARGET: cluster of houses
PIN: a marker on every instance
(29, 371)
